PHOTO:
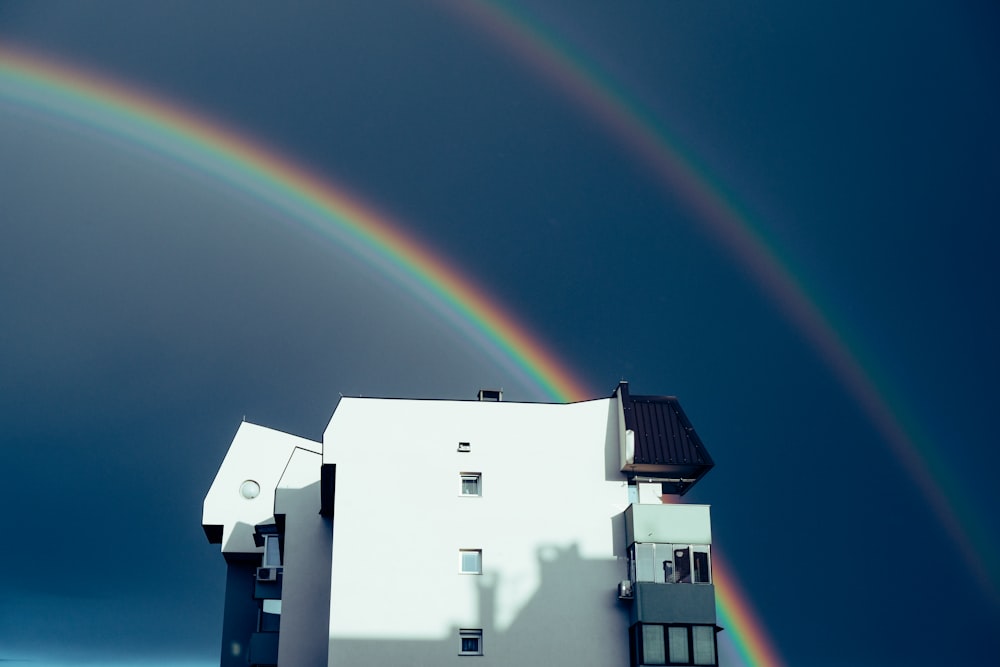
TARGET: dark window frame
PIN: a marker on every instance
(470, 635)
(475, 477)
(637, 651)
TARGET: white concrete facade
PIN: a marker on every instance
(480, 533)
(544, 524)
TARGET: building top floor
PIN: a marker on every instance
(404, 445)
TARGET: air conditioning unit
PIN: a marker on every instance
(625, 590)
(267, 574)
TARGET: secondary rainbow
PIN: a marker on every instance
(720, 216)
(30, 82)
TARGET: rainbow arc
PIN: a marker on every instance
(732, 228)
(126, 114)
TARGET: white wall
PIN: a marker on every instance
(259, 454)
(551, 559)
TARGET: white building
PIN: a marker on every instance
(433, 532)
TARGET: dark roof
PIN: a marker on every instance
(666, 443)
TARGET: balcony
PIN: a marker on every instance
(670, 563)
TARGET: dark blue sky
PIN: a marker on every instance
(147, 309)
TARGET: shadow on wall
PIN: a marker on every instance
(574, 617)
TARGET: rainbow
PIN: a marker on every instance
(746, 633)
(329, 209)
(721, 217)
(30, 82)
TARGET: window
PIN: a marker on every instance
(472, 484)
(272, 554)
(701, 570)
(470, 642)
(678, 638)
(464, 447)
(682, 565)
(670, 563)
(675, 644)
(653, 649)
(704, 644)
(470, 561)
(644, 559)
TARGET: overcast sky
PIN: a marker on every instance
(147, 308)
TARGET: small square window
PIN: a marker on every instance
(472, 484)
(464, 447)
(470, 642)
(470, 561)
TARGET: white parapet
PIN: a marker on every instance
(691, 524)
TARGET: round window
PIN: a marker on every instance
(249, 489)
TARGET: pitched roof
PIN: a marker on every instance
(666, 444)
